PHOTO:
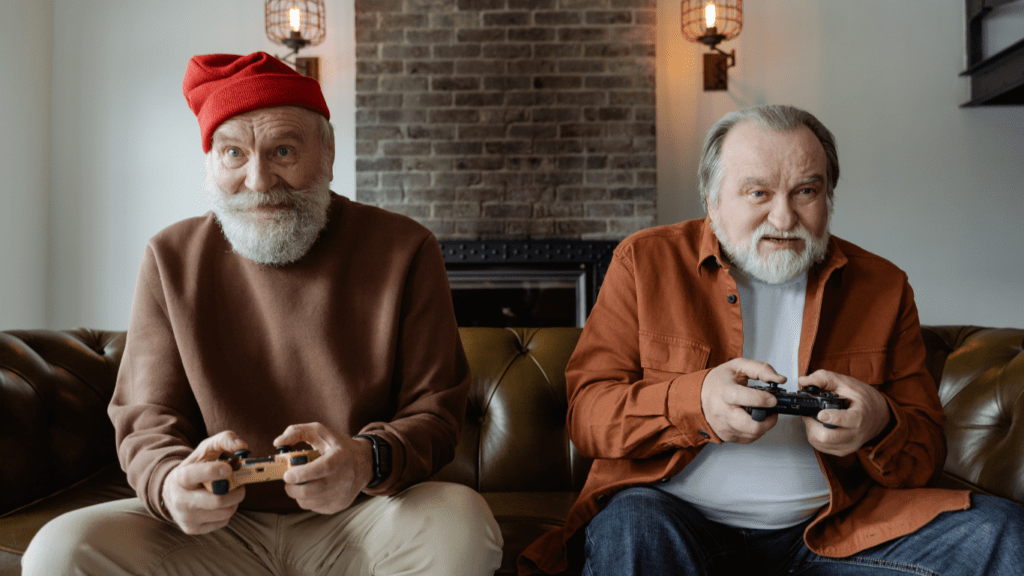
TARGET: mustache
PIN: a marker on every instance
(766, 229)
(247, 199)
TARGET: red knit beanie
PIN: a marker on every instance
(220, 86)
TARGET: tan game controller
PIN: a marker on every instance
(245, 470)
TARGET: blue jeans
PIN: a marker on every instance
(646, 531)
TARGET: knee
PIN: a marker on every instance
(627, 514)
(449, 510)
(61, 545)
(452, 518)
(999, 518)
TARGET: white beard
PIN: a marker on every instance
(280, 239)
(777, 266)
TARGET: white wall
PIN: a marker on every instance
(127, 159)
(935, 188)
(26, 41)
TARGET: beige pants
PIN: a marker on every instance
(431, 528)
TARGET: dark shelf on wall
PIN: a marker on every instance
(999, 79)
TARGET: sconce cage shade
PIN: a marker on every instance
(728, 19)
(312, 26)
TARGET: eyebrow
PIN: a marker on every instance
(755, 181)
(226, 136)
(289, 135)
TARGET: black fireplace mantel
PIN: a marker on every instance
(590, 256)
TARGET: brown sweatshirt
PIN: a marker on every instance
(359, 335)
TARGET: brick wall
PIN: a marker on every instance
(508, 118)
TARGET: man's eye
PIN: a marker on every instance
(283, 151)
(758, 193)
(234, 152)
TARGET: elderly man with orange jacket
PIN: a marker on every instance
(697, 327)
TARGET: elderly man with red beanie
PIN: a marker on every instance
(288, 316)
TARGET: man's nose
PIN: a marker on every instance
(782, 214)
(260, 175)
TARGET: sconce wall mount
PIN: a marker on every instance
(711, 22)
(297, 24)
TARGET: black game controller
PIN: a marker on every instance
(806, 402)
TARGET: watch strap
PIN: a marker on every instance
(381, 458)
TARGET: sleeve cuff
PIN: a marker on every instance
(685, 412)
(877, 456)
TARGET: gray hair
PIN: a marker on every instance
(326, 132)
(774, 117)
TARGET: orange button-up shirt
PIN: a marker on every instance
(669, 311)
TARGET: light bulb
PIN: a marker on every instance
(709, 15)
(295, 18)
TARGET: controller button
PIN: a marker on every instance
(219, 487)
(242, 454)
(283, 449)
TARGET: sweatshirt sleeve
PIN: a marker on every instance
(155, 417)
(431, 377)
(618, 409)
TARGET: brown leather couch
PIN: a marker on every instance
(57, 446)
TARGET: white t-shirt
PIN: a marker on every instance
(776, 481)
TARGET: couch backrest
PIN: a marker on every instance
(980, 372)
(514, 439)
(55, 386)
(54, 391)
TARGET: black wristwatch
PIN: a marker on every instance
(381, 459)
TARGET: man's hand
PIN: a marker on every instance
(195, 509)
(330, 483)
(866, 417)
(725, 393)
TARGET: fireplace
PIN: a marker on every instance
(525, 283)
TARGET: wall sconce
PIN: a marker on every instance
(712, 22)
(297, 24)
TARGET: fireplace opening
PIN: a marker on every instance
(528, 283)
(526, 298)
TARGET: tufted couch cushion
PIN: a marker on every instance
(57, 448)
(980, 372)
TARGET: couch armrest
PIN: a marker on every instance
(54, 391)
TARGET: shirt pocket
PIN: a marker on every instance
(662, 354)
(868, 365)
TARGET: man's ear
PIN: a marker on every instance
(329, 166)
